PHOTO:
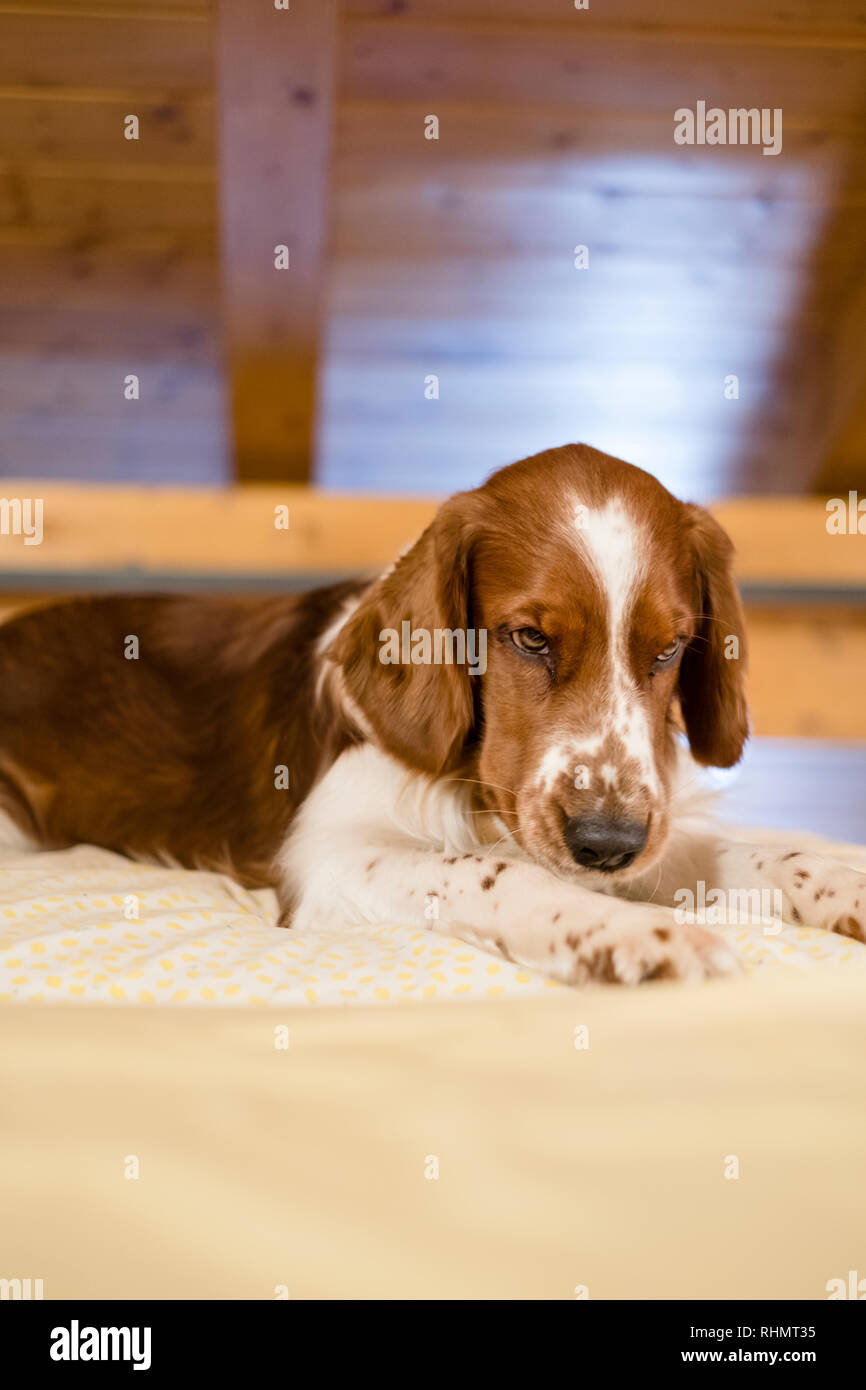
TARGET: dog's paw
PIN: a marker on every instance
(824, 893)
(658, 948)
(849, 906)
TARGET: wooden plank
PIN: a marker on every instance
(705, 339)
(92, 390)
(676, 293)
(101, 199)
(211, 532)
(170, 274)
(381, 396)
(184, 452)
(275, 85)
(165, 49)
(159, 334)
(778, 18)
(440, 219)
(380, 142)
(157, 9)
(85, 124)
(231, 531)
(576, 64)
(696, 463)
(785, 539)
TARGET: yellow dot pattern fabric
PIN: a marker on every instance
(87, 924)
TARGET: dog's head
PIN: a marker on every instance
(540, 637)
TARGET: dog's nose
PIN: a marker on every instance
(596, 842)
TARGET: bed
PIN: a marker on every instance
(215, 1107)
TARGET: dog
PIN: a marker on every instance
(531, 803)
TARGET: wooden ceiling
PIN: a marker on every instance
(449, 257)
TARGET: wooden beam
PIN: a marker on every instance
(230, 533)
(275, 81)
(841, 442)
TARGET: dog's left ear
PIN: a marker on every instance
(712, 674)
(423, 714)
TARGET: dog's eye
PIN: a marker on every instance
(529, 639)
(669, 654)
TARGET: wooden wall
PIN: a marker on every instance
(108, 261)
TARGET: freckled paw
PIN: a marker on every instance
(840, 904)
(634, 954)
(851, 924)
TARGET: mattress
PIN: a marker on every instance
(668, 1142)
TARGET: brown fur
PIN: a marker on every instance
(173, 754)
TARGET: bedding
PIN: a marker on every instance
(666, 1142)
(442, 1151)
(88, 925)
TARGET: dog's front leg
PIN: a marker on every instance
(510, 906)
(806, 887)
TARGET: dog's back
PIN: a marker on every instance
(165, 727)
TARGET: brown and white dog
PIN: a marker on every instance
(527, 808)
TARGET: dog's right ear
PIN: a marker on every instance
(712, 674)
(423, 714)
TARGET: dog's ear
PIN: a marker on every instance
(422, 713)
(712, 675)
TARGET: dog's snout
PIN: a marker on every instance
(597, 842)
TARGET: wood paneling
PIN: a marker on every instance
(488, 396)
(107, 245)
(45, 335)
(556, 129)
(671, 296)
(104, 198)
(104, 45)
(446, 219)
(778, 19)
(650, 73)
(191, 452)
(93, 388)
(451, 257)
(157, 271)
(82, 124)
(546, 146)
